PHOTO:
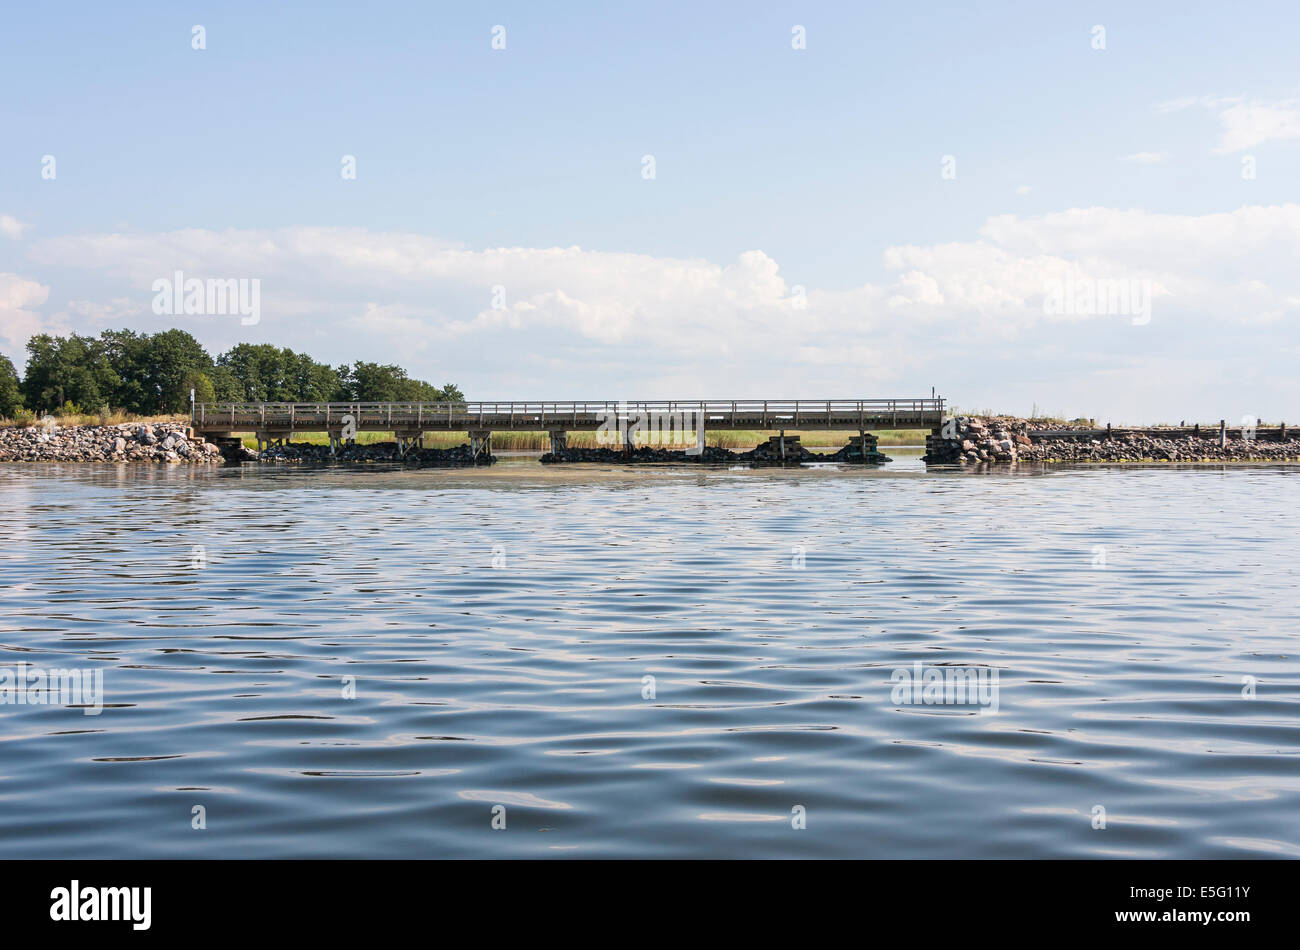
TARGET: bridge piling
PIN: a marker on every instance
(480, 442)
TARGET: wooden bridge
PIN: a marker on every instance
(408, 421)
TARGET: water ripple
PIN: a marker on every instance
(670, 662)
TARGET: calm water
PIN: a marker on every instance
(499, 626)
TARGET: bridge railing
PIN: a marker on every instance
(280, 413)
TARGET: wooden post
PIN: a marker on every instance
(1223, 433)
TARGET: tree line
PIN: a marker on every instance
(153, 373)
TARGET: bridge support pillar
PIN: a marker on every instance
(480, 442)
(408, 441)
(559, 441)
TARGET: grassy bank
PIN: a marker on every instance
(114, 418)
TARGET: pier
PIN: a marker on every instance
(408, 421)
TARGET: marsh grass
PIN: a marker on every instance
(111, 418)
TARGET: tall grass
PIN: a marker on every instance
(110, 418)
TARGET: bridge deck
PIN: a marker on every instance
(715, 414)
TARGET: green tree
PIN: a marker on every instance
(154, 373)
(11, 396)
(256, 369)
(225, 385)
(129, 354)
(201, 385)
(175, 354)
(311, 381)
(376, 382)
(61, 370)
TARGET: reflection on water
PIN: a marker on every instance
(658, 662)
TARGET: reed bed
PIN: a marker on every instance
(114, 417)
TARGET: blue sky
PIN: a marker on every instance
(521, 168)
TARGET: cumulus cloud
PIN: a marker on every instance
(406, 286)
(641, 322)
(10, 226)
(18, 318)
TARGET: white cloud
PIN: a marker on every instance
(1248, 124)
(1244, 123)
(1146, 158)
(575, 322)
(1025, 189)
(11, 227)
(18, 320)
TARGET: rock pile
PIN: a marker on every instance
(130, 442)
(769, 453)
(374, 452)
(1008, 439)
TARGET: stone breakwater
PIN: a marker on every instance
(169, 442)
(1009, 439)
(373, 452)
(130, 442)
(765, 454)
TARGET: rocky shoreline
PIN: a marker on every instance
(964, 440)
(174, 443)
(1003, 439)
(164, 442)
